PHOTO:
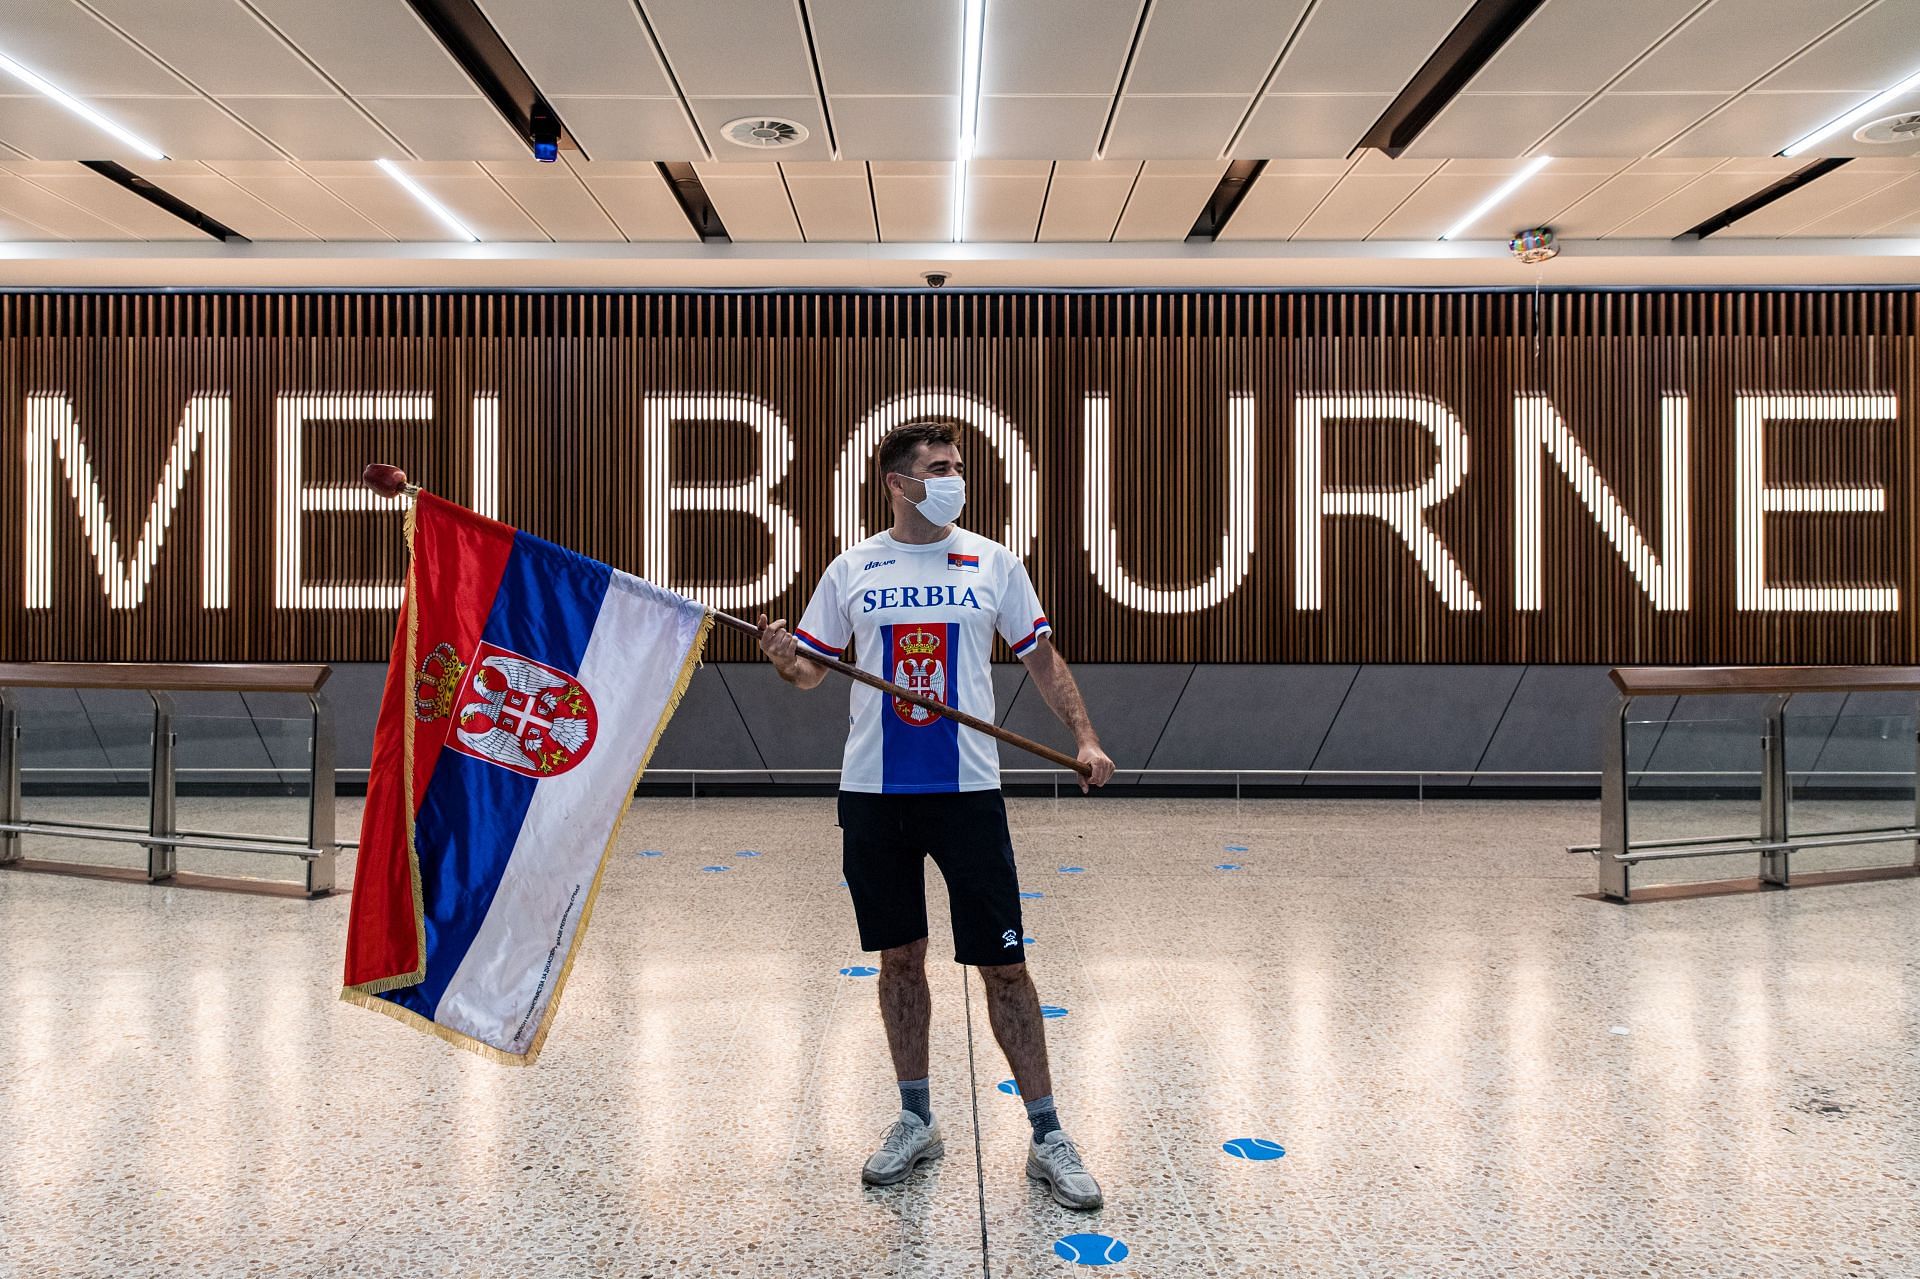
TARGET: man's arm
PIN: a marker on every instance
(783, 650)
(1049, 671)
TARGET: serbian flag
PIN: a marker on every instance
(526, 690)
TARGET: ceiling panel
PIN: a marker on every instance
(1893, 203)
(636, 198)
(555, 199)
(1211, 46)
(1280, 200)
(630, 128)
(743, 48)
(182, 127)
(1173, 128)
(1038, 128)
(1694, 203)
(584, 47)
(1629, 124)
(1306, 126)
(886, 48)
(214, 195)
(1731, 43)
(286, 188)
(1004, 199)
(1842, 143)
(712, 113)
(1060, 47)
(329, 128)
(368, 46)
(833, 200)
(1086, 199)
(1576, 46)
(1868, 54)
(29, 203)
(1365, 197)
(1494, 125)
(380, 200)
(39, 128)
(1455, 190)
(921, 128)
(18, 229)
(78, 52)
(1167, 199)
(1761, 123)
(915, 201)
(1364, 46)
(476, 199)
(109, 200)
(448, 128)
(752, 201)
(217, 44)
(1619, 198)
(1825, 195)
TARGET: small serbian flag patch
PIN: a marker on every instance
(962, 563)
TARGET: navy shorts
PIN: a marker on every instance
(885, 843)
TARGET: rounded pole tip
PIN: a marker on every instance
(388, 481)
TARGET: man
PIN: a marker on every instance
(920, 605)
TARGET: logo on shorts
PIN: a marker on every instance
(1009, 939)
(920, 664)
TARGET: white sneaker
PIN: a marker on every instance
(906, 1145)
(1056, 1162)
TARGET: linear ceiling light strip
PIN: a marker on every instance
(1468, 47)
(1500, 193)
(1762, 198)
(40, 84)
(122, 176)
(973, 34)
(1865, 111)
(433, 206)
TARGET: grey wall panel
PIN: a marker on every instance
(1708, 741)
(1871, 744)
(707, 731)
(1416, 718)
(1556, 722)
(1129, 706)
(790, 729)
(353, 697)
(218, 740)
(1250, 716)
(56, 733)
(1810, 720)
(123, 723)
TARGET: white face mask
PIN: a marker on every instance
(946, 495)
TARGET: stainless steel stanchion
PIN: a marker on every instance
(1774, 794)
(161, 815)
(320, 800)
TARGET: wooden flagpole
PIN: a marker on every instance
(391, 481)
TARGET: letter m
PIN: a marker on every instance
(205, 435)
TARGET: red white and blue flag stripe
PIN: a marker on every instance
(1041, 626)
(958, 563)
(527, 687)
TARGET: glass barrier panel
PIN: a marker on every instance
(86, 770)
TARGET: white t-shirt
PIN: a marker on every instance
(923, 617)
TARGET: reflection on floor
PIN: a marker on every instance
(1472, 1070)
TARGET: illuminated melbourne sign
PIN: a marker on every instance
(1203, 497)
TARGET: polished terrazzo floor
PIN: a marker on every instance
(1472, 1069)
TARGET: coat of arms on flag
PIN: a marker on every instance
(527, 688)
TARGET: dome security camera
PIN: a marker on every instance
(935, 279)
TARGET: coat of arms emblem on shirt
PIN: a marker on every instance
(920, 664)
(522, 715)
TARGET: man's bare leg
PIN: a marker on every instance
(906, 1006)
(1013, 1008)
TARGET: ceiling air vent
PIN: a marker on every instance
(1904, 127)
(764, 132)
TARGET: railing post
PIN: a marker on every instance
(1613, 807)
(320, 796)
(9, 777)
(161, 820)
(1774, 794)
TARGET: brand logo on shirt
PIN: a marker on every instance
(920, 664)
(962, 563)
(873, 564)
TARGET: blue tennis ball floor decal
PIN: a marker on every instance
(1031, 895)
(715, 870)
(859, 970)
(1228, 866)
(1073, 870)
(1255, 1148)
(651, 852)
(1090, 1249)
(746, 852)
(1052, 1012)
(1009, 1086)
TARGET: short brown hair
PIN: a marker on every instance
(900, 444)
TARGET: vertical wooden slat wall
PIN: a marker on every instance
(573, 373)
